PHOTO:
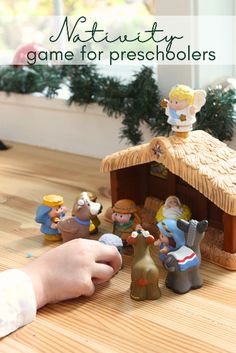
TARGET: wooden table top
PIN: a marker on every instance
(203, 320)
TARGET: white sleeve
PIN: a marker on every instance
(17, 301)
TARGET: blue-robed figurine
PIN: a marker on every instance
(48, 214)
(171, 238)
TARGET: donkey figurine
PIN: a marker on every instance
(144, 272)
(77, 226)
(180, 277)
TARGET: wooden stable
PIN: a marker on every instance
(200, 170)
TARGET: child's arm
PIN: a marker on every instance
(65, 272)
(17, 301)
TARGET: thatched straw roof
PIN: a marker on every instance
(201, 160)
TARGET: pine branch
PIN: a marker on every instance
(218, 114)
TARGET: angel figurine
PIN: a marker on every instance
(182, 106)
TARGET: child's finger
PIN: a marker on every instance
(111, 256)
(102, 273)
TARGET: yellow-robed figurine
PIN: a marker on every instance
(173, 209)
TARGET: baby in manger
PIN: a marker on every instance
(173, 209)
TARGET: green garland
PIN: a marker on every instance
(217, 116)
(136, 102)
(26, 80)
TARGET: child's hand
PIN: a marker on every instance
(72, 270)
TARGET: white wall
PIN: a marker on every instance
(53, 124)
(211, 73)
(170, 75)
(195, 76)
(214, 7)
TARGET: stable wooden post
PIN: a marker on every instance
(129, 183)
(229, 233)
